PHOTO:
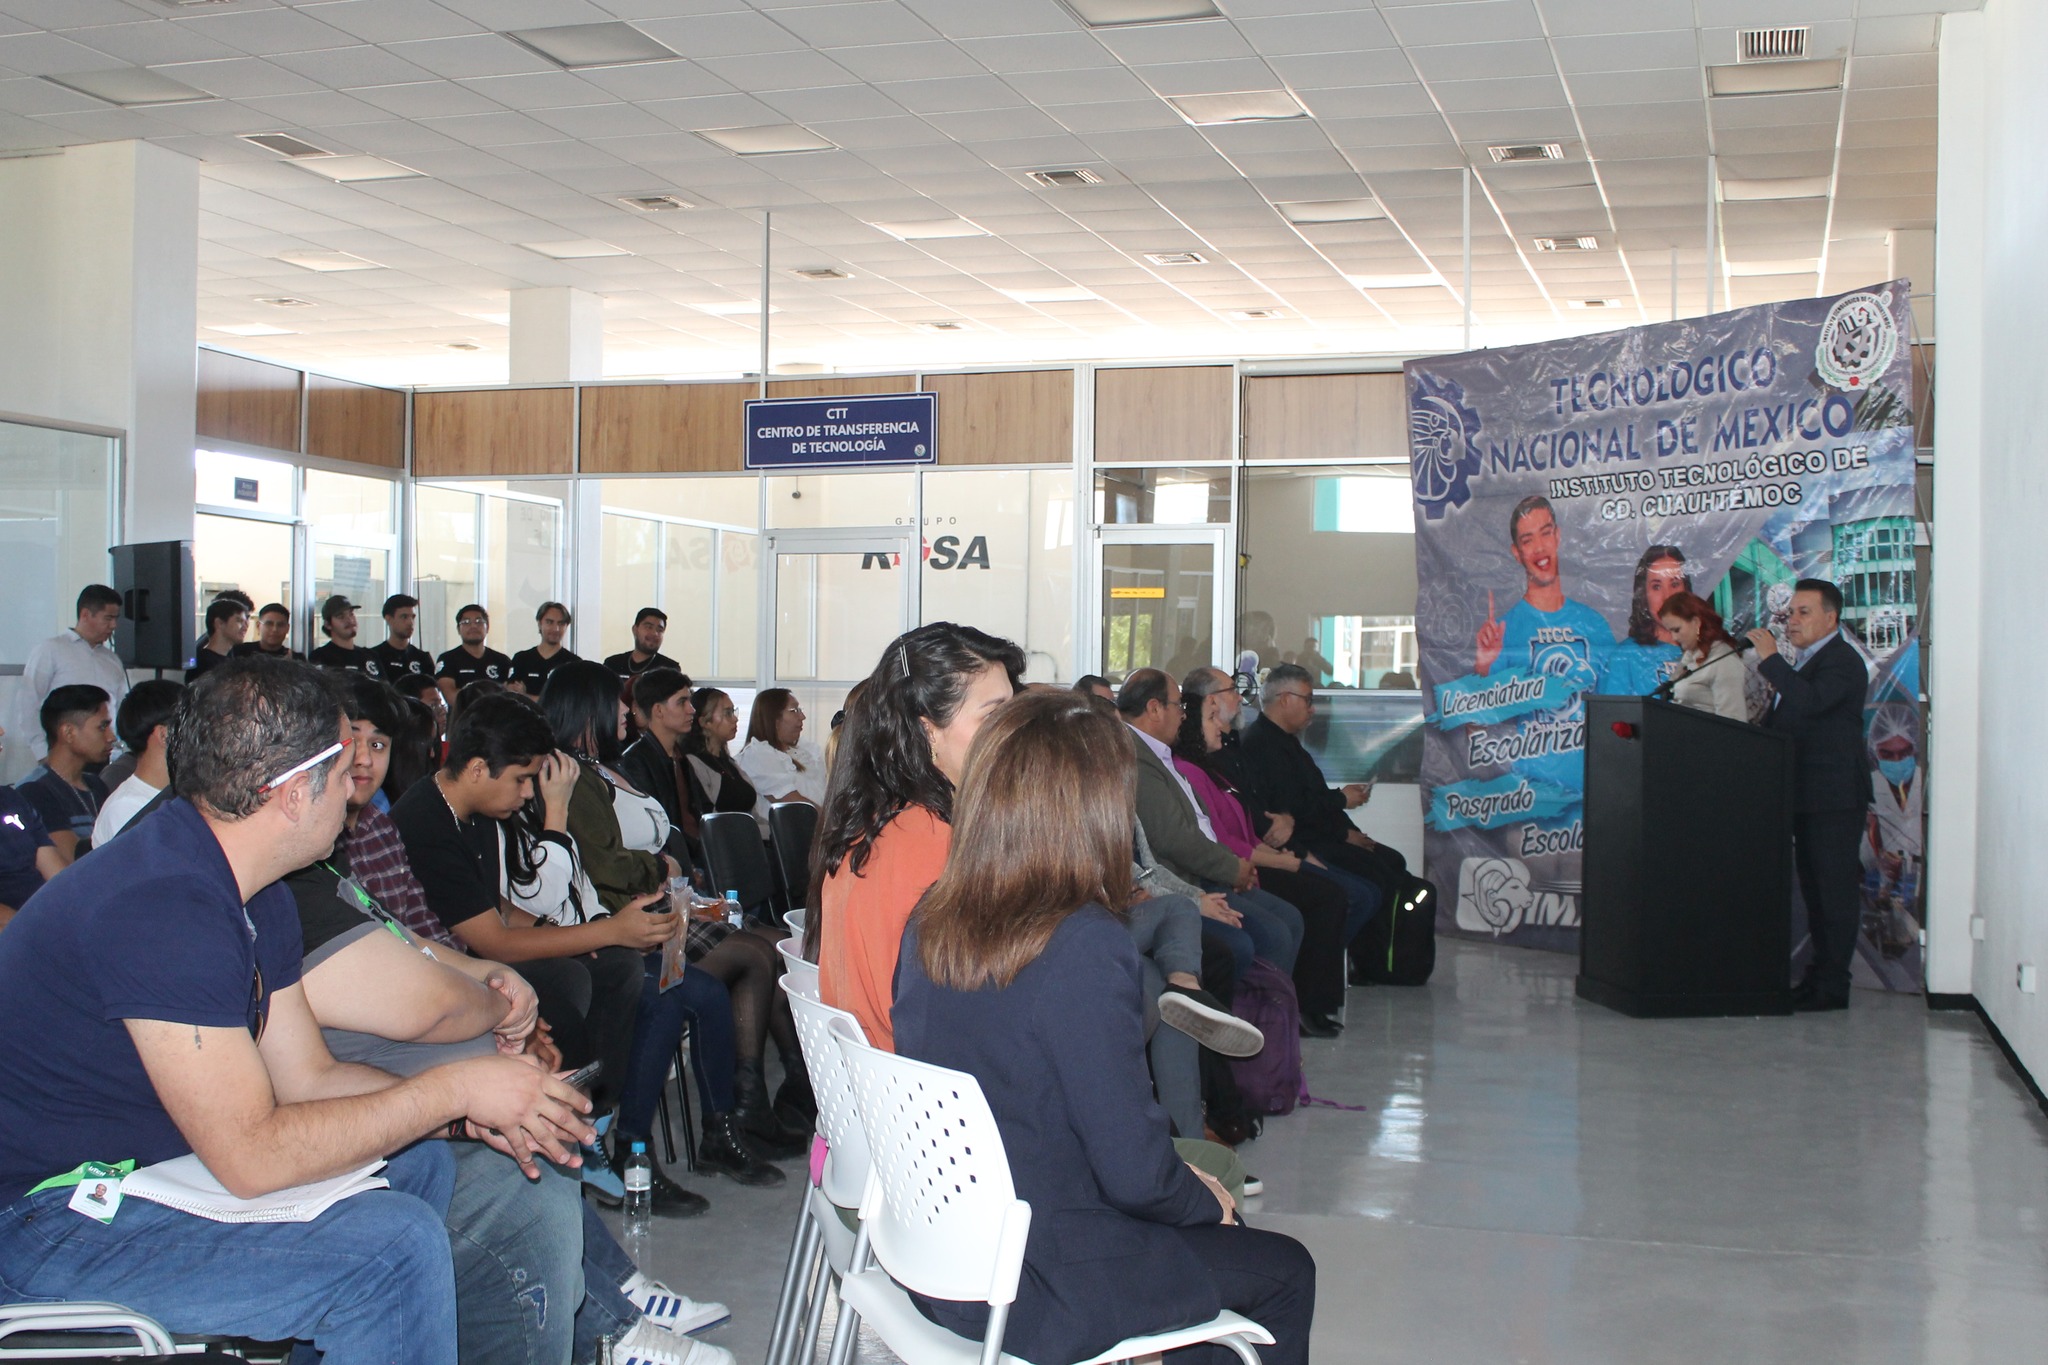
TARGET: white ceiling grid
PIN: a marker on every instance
(937, 109)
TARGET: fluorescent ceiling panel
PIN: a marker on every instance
(1117, 13)
(1775, 78)
(326, 261)
(1331, 210)
(931, 229)
(580, 46)
(285, 144)
(129, 86)
(576, 249)
(1786, 187)
(1243, 106)
(347, 169)
(766, 140)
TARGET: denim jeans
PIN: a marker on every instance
(701, 1000)
(518, 1271)
(369, 1282)
(1271, 929)
(606, 1312)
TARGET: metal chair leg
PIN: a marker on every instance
(683, 1101)
(668, 1134)
(804, 1245)
(820, 1284)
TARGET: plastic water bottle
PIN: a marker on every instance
(734, 915)
(639, 1178)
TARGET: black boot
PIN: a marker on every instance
(795, 1105)
(728, 1151)
(765, 1131)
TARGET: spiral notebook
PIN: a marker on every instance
(183, 1183)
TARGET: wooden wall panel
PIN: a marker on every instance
(493, 432)
(1324, 416)
(1164, 415)
(359, 422)
(1010, 417)
(248, 401)
(664, 428)
(833, 386)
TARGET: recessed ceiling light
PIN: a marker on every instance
(1592, 303)
(130, 86)
(578, 46)
(1243, 106)
(735, 308)
(1176, 258)
(1770, 44)
(1508, 153)
(653, 203)
(1801, 265)
(326, 261)
(1117, 13)
(1786, 187)
(1066, 178)
(1331, 210)
(931, 229)
(285, 144)
(253, 329)
(1566, 243)
(944, 325)
(1775, 78)
(349, 169)
(1257, 314)
(820, 272)
(286, 301)
(770, 139)
(1059, 293)
(462, 346)
(1409, 280)
(576, 249)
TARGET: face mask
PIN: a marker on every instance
(1897, 771)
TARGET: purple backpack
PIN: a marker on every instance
(1271, 1081)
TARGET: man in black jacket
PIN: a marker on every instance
(1819, 703)
(650, 763)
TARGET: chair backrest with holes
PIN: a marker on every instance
(732, 846)
(801, 974)
(941, 1214)
(846, 1170)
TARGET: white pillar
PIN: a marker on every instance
(557, 336)
(99, 310)
(1955, 655)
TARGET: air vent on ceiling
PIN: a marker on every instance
(1257, 314)
(1066, 178)
(654, 203)
(821, 272)
(1567, 243)
(944, 325)
(1176, 258)
(286, 301)
(462, 346)
(1592, 303)
(1770, 44)
(285, 144)
(1527, 151)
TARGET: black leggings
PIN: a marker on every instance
(748, 963)
(1268, 1277)
(590, 1003)
(1319, 967)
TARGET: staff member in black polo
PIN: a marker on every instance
(398, 656)
(650, 627)
(472, 660)
(1819, 702)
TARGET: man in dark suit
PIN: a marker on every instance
(1819, 703)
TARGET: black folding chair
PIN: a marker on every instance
(792, 826)
(739, 862)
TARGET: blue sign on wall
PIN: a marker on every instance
(842, 433)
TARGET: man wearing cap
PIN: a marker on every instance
(472, 660)
(398, 656)
(338, 624)
(648, 629)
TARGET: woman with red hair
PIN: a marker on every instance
(1710, 675)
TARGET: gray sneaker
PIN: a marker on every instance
(1202, 1017)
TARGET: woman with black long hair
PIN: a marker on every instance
(886, 825)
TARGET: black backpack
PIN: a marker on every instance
(1398, 947)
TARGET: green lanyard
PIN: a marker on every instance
(352, 894)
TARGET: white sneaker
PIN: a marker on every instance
(669, 1310)
(1253, 1186)
(1202, 1017)
(647, 1344)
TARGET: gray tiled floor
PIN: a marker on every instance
(1533, 1179)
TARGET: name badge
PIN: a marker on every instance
(98, 1193)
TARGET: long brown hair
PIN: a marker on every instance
(1041, 827)
(1687, 607)
(769, 704)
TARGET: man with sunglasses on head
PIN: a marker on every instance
(175, 1023)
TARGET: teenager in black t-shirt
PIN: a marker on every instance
(273, 629)
(398, 656)
(338, 624)
(532, 667)
(472, 660)
(650, 627)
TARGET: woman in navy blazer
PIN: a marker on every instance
(1016, 970)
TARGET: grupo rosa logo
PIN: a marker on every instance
(1858, 341)
(1493, 895)
(1443, 439)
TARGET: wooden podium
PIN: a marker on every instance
(1687, 901)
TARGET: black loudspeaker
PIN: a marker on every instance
(157, 602)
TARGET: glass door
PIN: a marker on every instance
(837, 599)
(1162, 599)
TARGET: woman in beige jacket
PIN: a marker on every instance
(1711, 675)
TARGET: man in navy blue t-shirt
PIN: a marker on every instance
(154, 998)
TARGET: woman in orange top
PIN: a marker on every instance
(885, 827)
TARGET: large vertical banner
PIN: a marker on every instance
(1564, 490)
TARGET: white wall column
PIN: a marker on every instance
(557, 336)
(99, 308)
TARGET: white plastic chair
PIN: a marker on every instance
(805, 974)
(795, 920)
(822, 1244)
(940, 1216)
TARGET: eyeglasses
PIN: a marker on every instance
(1309, 698)
(315, 761)
(472, 621)
(258, 1016)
